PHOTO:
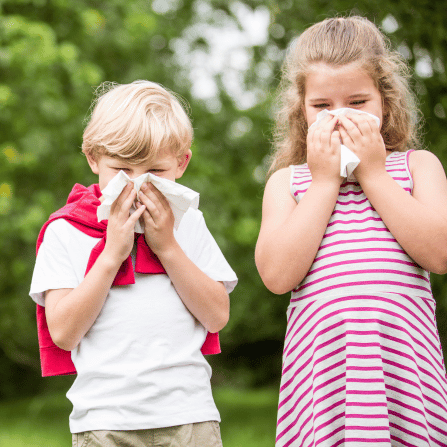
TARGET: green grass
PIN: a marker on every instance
(248, 419)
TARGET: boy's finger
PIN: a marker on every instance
(117, 204)
(154, 195)
(128, 201)
(133, 218)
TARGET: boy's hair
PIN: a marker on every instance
(340, 41)
(135, 122)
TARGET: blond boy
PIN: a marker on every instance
(135, 343)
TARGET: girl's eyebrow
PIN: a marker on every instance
(318, 99)
(355, 95)
(359, 95)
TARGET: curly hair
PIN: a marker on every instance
(340, 41)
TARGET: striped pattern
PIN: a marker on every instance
(362, 360)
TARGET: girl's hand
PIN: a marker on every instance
(121, 225)
(158, 219)
(361, 135)
(323, 151)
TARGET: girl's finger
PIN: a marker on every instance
(335, 140)
(365, 123)
(350, 127)
(345, 138)
(327, 130)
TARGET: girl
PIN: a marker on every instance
(362, 360)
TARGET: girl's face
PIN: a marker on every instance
(334, 87)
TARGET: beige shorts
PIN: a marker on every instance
(200, 434)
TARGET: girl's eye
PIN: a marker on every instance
(321, 106)
(359, 102)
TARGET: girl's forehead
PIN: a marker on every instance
(329, 70)
(325, 77)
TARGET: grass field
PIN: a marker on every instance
(248, 419)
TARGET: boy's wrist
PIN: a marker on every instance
(169, 252)
(109, 261)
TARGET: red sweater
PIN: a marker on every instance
(80, 211)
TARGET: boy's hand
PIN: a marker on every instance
(158, 218)
(121, 225)
(361, 135)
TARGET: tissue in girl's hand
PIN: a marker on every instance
(180, 197)
(348, 160)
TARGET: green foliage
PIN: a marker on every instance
(53, 53)
(248, 419)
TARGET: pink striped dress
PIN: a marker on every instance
(362, 361)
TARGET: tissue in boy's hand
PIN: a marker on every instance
(180, 197)
(348, 160)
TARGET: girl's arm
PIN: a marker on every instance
(70, 313)
(418, 221)
(204, 297)
(291, 233)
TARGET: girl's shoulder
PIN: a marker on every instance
(279, 177)
(423, 161)
(277, 188)
(422, 155)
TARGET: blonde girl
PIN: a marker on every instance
(362, 362)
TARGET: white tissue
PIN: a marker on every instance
(180, 197)
(348, 160)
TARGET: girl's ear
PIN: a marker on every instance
(93, 164)
(183, 162)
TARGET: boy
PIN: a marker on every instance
(135, 333)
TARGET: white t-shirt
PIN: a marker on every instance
(140, 365)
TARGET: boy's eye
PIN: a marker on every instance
(156, 170)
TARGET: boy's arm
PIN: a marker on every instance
(204, 297)
(70, 313)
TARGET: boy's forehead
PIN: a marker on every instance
(163, 156)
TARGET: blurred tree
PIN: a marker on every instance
(224, 58)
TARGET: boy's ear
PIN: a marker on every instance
(183, 162)
(93, 164)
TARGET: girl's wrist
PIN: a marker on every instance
(328, 183)
(370, 176)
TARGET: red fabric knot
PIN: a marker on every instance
(80, 211)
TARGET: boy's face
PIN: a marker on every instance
(167, 165)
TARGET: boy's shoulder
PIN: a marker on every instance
(191, 219)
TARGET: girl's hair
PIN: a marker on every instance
(136, 122)
(340, 41)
